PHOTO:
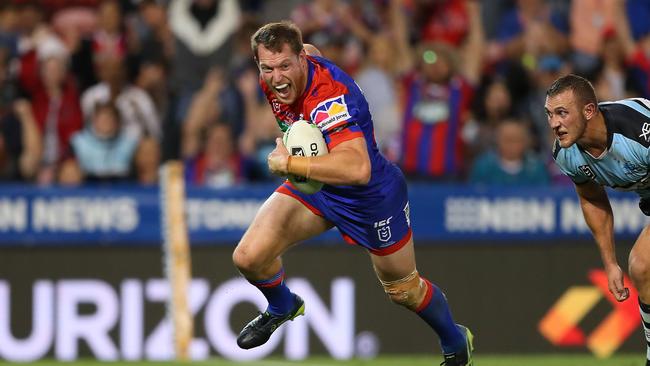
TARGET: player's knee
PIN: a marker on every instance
(639, 269)
(408, 291)
(244, 260)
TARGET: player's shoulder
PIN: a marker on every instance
(629, 118)
(640, 105)
(327, 79)
(332, 96)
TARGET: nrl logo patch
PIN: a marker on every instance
(383, 229)
(586, 169)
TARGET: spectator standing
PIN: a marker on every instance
(203, 30)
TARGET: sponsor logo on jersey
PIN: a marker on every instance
(383, 229)
(586, 169)
(633, 170)
(330, 113)
(645, 132)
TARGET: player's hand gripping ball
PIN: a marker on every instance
(305, 139)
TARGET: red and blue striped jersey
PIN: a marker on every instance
(433, 120)
(336, 104)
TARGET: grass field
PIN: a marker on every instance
(528, 360)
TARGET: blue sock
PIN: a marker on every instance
(280, 299)
(435, 311)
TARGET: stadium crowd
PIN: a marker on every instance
(105, 90)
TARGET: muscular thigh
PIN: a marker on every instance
(281, 222)
(397, 265)
(641, 249)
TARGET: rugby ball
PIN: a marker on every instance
(305, 139)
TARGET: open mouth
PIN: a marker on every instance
(282, 90)
(560, 134)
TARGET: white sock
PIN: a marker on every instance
(644, 309)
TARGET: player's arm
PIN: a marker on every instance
(598, 214)
(347, 163)
(29, 160)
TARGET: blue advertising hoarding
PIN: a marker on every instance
(131, 215)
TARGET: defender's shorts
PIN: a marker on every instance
(376, 218)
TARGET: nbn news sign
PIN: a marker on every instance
(131, 214)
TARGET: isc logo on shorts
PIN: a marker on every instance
(383, 229)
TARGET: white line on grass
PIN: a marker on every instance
(283, 363)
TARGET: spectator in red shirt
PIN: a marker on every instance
(55, 102)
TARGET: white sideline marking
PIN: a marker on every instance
(283, 363)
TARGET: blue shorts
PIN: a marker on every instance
(376, 218)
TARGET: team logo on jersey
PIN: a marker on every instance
(586, 169)
(645, 131)
(282, 112)
(330, 113)
(632, 169)
(383, 229)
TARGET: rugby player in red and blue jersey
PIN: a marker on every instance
(364, 195)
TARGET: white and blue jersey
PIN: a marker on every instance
(625, 164)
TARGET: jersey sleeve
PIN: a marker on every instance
(336, 116)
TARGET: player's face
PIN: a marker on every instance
(285, 73)
(565, 117)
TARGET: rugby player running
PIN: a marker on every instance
(364, 196)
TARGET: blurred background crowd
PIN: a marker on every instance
(103, 91)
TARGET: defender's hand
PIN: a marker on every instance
(615, 281)
(278, 159)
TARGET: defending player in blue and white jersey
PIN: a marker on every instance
(364, 195)
(606, 144)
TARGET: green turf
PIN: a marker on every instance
(496, 360)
